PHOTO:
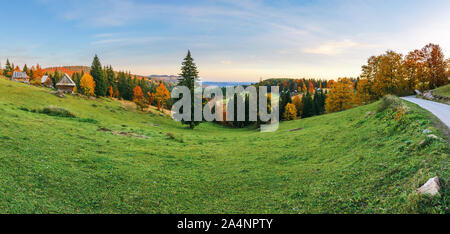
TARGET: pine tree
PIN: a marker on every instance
(189, 75)
(110, 77)
(285, 98)
(99, 78)
(8, 69)
(307, 105)
(25, 69)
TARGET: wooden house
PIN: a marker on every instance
(65, 84)
(20, 77)
(47, 82)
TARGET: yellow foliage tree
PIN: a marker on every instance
(162, 95)
(290, 112)
(87, 85)
(364, 93)
(297, 101)
(341, 96)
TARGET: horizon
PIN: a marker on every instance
(231, 41)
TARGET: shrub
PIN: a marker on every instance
(170, 135)
(389, 101)
(57, 111)
(88, 120)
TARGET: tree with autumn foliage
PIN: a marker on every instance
(290, 112)
(364, 93)
(139, 98)
(87, 85)
(36, 75)
(162, 95)
(341, 96)
(434, 61)
(297, 101)
(110, 91)
(311, 87)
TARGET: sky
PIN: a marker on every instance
(230, 40)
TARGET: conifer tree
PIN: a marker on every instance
(307, 105)
(285, 98)
(99, 77)
(189, 75)
(8, 69)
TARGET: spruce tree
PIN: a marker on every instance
(110, 77)
(189, 75)
(99, 78)
(8, 69)
(285, 98)
(307, 105)
(25, 69)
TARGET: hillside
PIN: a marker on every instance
(113, 159)
(443, 91)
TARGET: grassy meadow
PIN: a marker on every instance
(443, 91)
(106, 157)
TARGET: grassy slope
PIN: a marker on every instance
(443, 91)
(341, 162)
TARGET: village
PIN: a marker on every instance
(65, 85)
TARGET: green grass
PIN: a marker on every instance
(356, 161)
(443, 91)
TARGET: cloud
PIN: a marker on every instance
(334, 47)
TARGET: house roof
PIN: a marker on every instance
(19, 75)
(66, 81)
(43, 79)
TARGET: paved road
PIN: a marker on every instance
(442, 111)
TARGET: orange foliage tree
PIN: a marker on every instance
(162, 95)
(139, 98)
(37, 75)
(111, 91)
(341, 96)
(311, 87)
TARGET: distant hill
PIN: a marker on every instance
(67, 69)
(72, 69)
(167, 78)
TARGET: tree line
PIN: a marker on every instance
(391, 73)
(104, 82)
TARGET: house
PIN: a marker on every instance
(20, 77)
(47, 82)
(65, 84)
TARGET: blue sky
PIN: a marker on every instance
(231, 40)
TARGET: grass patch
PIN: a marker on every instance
(57, 111)
(354, 161)
(443, 91)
